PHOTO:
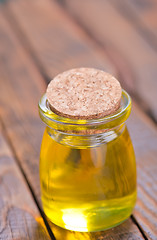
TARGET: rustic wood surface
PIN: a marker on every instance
(39, 39)
(142, 13)
(130, 48)
(23, 125)
(19, 217)
(54, 45)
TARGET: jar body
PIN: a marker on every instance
(89, 188)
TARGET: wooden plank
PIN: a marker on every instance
(137, 119)
(144, 136)
(125, 231)
(143, 14)
(54, 39)
(21, 88)
(125, 45)
(18, 212)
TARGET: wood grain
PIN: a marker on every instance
(23, 119)
(143, 14)
(126, 231)
(21, 88)
(18, 212)
(54, 39)
(125, 45)
(144, 137)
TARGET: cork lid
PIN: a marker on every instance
(84, 93)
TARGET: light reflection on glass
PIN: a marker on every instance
(74, 220)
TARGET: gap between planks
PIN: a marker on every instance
(27, 181)
(9, 142)
(25, 212)
(133, 218)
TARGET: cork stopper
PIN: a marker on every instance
(84, 93)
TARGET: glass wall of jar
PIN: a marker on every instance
(87, 169)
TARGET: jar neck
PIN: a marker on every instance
(86, 140)
(90, 132)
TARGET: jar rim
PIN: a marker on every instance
(61, 123)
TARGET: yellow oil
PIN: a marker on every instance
(88, 189)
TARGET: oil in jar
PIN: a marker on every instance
(90, 188)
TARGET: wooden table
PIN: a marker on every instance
(40, 38)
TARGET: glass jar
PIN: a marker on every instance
(87, 169)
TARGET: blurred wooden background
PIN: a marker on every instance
(40, 38)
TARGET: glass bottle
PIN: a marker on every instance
(87, 169)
